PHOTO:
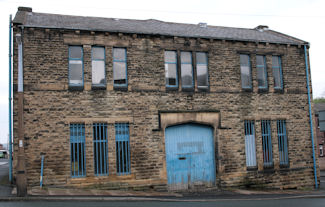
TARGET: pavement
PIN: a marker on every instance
(50, 193)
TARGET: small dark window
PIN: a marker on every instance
(245, 69)
(119, 67)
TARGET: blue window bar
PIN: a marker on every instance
(100, 149)
(246, 73)
(283, 143)
(76, 77)
(77, 148)
(277, 72)
(261, 72)
(250, 144)
(187, 70)
(267, 143)
(120, 67)
(122, 140)
(171, 69)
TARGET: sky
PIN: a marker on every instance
(299, 18)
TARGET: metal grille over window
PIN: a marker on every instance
(98, 66)
(75, 66)
(250, 144)
(187, 70)
(122, 139)
(283, 142)
(171, 69)
(100, 149)
(261, 72)
(277, 72)
(245, 69)
(77, 148)
(202, 70)
(267, 143)
(119, 67)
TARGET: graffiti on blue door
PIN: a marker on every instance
(189, 156)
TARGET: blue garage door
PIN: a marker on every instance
(189, 156)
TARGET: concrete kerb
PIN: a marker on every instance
(144, 199)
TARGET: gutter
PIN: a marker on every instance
(310, 117)
(10, 101)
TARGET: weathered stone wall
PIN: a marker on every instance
(49, 108)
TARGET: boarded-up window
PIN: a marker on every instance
(250, 144)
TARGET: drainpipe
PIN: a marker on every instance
(21, 169)
(310, 117)
(10, 131)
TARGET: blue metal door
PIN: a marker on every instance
(189, 156)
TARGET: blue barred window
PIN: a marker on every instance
(267, 143)
(283, 143)
(250, 144)
(77, 148)
(122, 139)
(100, 149)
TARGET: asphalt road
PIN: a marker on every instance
(313, 202)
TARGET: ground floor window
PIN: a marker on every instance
(100, 148)
(77, 148)
(122, 140)
(250, 144)
(267, 143)
(283, 142)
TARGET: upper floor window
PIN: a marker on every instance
(75, 66)
(202, 70)
(171, 69)
(245, 69)
(187, 70)
(98, 67)
(119, 67)
(277, 72)
(261, 72)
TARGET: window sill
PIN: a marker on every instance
(76, 88)
(278, 90)
(98, 87)
(189, 89)
(252, 168)
(120, 88)
(168, 88)
(203, 89)
(263, 90)
(247, 89)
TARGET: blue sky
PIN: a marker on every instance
(299, 18)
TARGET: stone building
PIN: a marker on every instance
(124, 104)
(320, 136)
